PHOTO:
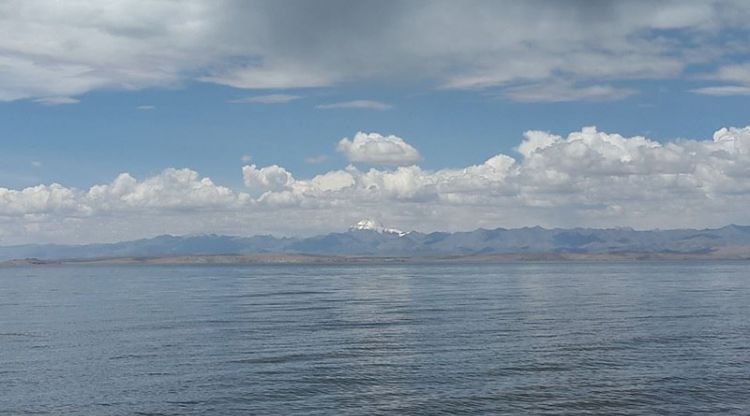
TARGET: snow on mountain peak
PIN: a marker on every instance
(369, 224)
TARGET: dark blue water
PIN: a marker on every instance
(615, 339)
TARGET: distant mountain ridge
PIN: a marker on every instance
(370, 238)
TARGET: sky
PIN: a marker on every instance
(129, 119)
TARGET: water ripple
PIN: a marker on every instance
(542, 339)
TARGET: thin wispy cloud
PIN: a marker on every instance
(724, 90)
(356, 104)
(146, 107)
(52, 101)
(314, 160)
(267, 99)
(566, 92)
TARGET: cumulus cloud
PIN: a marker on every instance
(40, 199)
(172, 189)
(273, 178)
(585, 178)
(356, 104)
(376, 149)
(66, 49)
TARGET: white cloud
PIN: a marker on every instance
(40, 199)
(273, 78)
(723, 90)
(356, 104)
(376, 149)
(734, 73)
(246, 158)
(561, 92)
(57, 100)
(273, 178)
(172, 189)
(737, 74)
(146, 107)
(36, 163)
(66, 49)
(267, 99)
(180, 189)
(587, 178)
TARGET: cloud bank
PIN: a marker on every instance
(57, 50)
(587, 178)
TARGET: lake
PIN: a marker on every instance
(569, 338)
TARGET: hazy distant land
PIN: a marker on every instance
(284, 258)
(368, 242)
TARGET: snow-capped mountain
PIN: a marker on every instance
(369, 224)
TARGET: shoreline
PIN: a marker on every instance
(312, 259)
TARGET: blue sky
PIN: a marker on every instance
(146, 117)
(197, 126)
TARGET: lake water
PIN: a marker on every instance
(615, 339)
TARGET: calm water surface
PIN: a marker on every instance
(298, 340)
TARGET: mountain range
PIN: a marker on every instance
(370, 239)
